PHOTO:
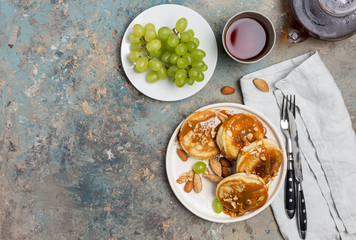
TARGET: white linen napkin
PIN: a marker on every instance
(327, 143)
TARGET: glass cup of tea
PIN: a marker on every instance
(248, 37)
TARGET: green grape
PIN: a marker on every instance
(152, 77)
(193, 72)
(200, 77)
(133, 56)
(191, 32)
(204, 68)
(155, 65)
(198, 54)
(180, 77)
(180, 82)
(150, 26)
(162, 73)
(138, 30)
(198, 64)
(164, 32)
(133, 38)
(217, 206)
(165, 57)
(196, 41)
(181, 49)
(188, 58)
(181, 25)
(173, 58)
(185, 36)
(182, 63)
(136, 47)
(154, 45)
(150, 35)
(141, 64)
(142, 71)
(156, 54)
(191, 46)
(172, 70)
(173, 40)
(189, 81)
(167, 47)
(199, 167)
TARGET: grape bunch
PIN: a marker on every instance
(173, 52)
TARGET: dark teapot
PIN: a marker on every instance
(329, 20)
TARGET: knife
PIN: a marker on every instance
(301, 207)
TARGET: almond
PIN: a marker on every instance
(215, 166)
(225, 172)
(182, 155)
(261, 84)
(188, 186)
(213, 178)
(228, 90)
(225, 163)
(198, 185)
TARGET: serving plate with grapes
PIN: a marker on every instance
(169, 89)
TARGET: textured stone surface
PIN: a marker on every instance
(82, 151)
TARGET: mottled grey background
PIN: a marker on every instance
(82, 151)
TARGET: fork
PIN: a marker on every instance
(290, 196)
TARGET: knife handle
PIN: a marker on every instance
(290, 204)
(302, 213)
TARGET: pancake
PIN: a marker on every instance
(262, 157)
(198, 132)
(238, 131)
(240, 193)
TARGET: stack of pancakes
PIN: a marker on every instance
(241, 137)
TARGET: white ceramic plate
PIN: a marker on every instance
(201, 204)
(167, 15)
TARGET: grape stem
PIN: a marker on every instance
(145, 49)
(174, 31)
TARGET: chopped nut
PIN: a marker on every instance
(255, 129)
(204, 141)
(263, 157)
(190, 124)
(246, 142)
(213, 133)
(250, 137)
(235, 198)
(206, 172)
(233, 204)
(185, 177)
(257, 154)
(260, 199)
(248, 202)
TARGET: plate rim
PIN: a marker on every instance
(282, 170)
(203, 83)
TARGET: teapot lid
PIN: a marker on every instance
(330, 20)
(338, 8)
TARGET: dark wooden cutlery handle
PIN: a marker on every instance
(302, 214)
(290, 203)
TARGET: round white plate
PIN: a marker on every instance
(201, 203)
(167, 15)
